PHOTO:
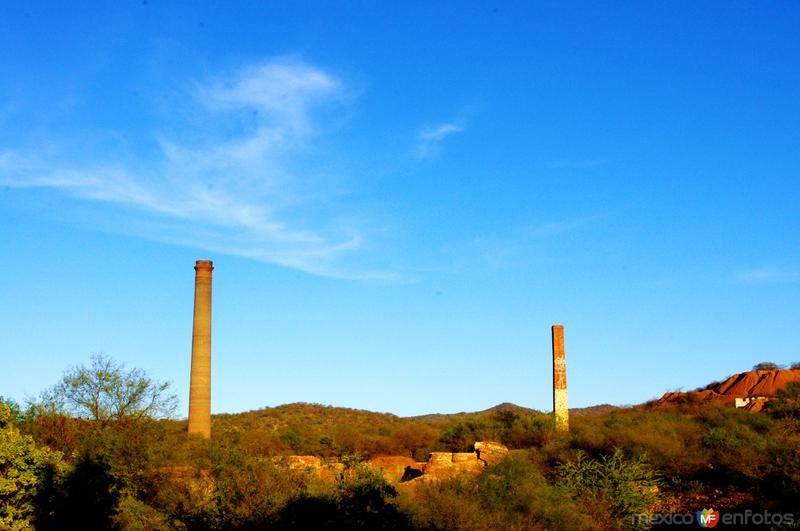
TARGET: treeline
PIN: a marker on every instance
(94, 452)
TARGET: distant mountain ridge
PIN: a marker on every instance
(514, 408)
(323, 414)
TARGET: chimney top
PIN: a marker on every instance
(204, 264)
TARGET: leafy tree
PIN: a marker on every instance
(293, 439)
(14, 411)
(22, 467)
(365, 500)
(106, 392)
(361, 499)
(86, 498)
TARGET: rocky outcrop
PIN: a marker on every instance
(395, 467)
(490, 452)
(442, 465)
(446, 464)
(400, 469)
(310, 464)
(300, 462)
(403, 472)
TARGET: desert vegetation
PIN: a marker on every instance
(98, 450)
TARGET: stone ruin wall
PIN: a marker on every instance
(405, 470)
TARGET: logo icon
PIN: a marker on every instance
(707, 517)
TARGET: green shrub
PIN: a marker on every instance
(514, 429)
(293, 439)
(629, 486)
(449, 504)
(671, 440)
(513, 494)
(25, 470)
(86, 498)
(738, 454)
(135, 515)
(787, 403)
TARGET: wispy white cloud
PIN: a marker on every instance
(768, 275)
(285, 91)
(238, 195)
(513, 247)
(429, 139)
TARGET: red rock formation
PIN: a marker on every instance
(756, 383)
(751, 384)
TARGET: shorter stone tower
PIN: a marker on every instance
(560, 409)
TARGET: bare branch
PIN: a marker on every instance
(106, 392)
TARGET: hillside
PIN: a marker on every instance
(279, 417)
(327, 430)
(323, 418)
(302, 413)
(316, 429)
(504, 467)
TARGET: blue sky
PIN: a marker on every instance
(401, 199)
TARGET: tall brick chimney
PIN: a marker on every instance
(200, 385)
(560, 410)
